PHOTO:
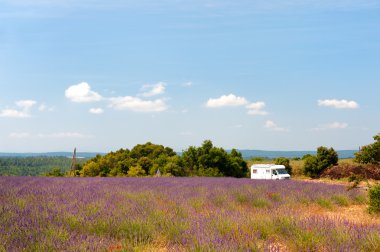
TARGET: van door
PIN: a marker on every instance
(274, 174)
(268, 174)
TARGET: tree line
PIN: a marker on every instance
(32, 166)
(150, 159)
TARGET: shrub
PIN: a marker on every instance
(374, 199)
(369, 154)
(315, 165)
(311, 166)
(285, 162)
(54, 172)
(353, 171)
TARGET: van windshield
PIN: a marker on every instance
(281, 171)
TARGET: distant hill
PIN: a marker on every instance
(247, 154)
(52, 154)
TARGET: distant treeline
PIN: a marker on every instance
(206, 160)
(33, 166)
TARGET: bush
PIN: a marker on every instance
(54, 172)
(285, 162)
(350, 170)
(315, 165)
(369, 154)
(311, 166)
(374, 199)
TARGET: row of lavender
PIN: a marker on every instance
(177, 214)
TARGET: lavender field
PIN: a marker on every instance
(179, 214)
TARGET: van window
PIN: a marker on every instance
(254, 171)
(282, 171)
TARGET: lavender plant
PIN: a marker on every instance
(177, 214)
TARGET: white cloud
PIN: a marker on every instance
(12, 113)
(96, 111)
(257, 112)
(138, 105)
(256, 108)
(19, 135)
(338, 104)
(337, 125)
(82, 93)
(24, 105)
(230, 100)
(153, 90)
(43, 107)
(49, 135)
(331, 126)
(273, 126)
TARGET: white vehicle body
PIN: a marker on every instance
(269, 171)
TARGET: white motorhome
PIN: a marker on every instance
(269, 171)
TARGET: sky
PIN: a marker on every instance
(246, 74)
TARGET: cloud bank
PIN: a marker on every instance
(23, 112)
(331, 126)
(231, 100)
(138, 105)
(82, 93)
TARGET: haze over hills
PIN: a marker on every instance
(291, 154)
(51, 154)
(247, 154)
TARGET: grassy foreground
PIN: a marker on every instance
(182, 214)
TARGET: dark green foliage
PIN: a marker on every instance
(326, 158)
(33, 166)
(310, 166)
(315, 165)
(374, 199)
(146, 159)
(306, 156)
(285, 162)
(55, 172)
(369, 154)
(208, 160)
(143, 159)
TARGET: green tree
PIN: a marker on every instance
(285, 162)
(136, 171)
(91, 169)
(149, 157)
(55, 172)
(208, 160)
(311, 166)
(369, 154)
(326, 158)
(374, 199)
(315, 165)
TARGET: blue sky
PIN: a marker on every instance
(271, 75)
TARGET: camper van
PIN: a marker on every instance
(269, 171)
